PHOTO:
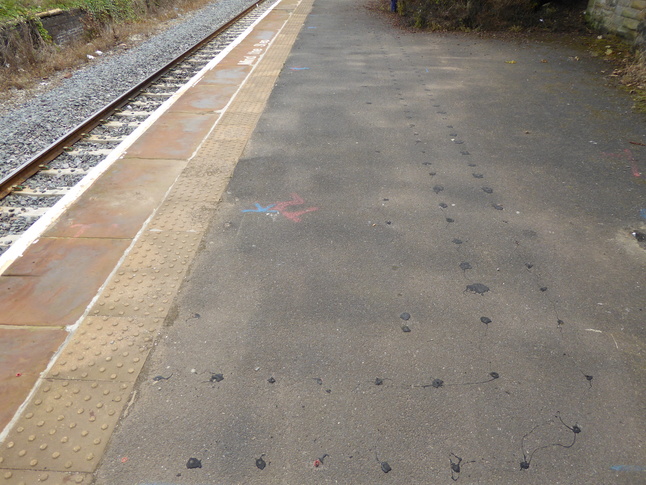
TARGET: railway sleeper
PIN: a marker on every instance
(7, 241)
(55, 172)
(119, 124)
(158, 95)
(77, 152)
(104, 139)
(132, 114)
(26, 212)
(28, 191)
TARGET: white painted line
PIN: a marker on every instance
(31, 235)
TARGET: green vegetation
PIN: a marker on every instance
(28, 54)
(490, 15)
(117, 10)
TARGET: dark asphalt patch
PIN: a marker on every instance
(478, 288)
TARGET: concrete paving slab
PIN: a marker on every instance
(45, 287)
(119, 203)
(24, 354)
(200, 99)
(173, 137)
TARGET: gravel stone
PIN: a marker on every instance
(17, 200)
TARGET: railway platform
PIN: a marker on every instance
(347, 253)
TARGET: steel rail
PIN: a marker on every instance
(33, 166)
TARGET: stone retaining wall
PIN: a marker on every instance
(65, 27)
(626, 18)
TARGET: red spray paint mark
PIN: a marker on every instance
(627, 155)
(295, 216)
(279, 208)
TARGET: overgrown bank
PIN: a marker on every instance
(28, 52)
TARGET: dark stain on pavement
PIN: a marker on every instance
(385, 467)
(527, 457)
(464, 266)
(456, 466)
(477, 288)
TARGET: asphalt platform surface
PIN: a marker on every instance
(422, 272)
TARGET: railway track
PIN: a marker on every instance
(34, 188)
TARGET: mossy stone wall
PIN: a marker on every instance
(626, 18)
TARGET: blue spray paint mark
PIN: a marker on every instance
(279, 208)
(642, 213)
(628, 468)
(299, 68)
(262, 209)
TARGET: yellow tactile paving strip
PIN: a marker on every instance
(63, 430)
